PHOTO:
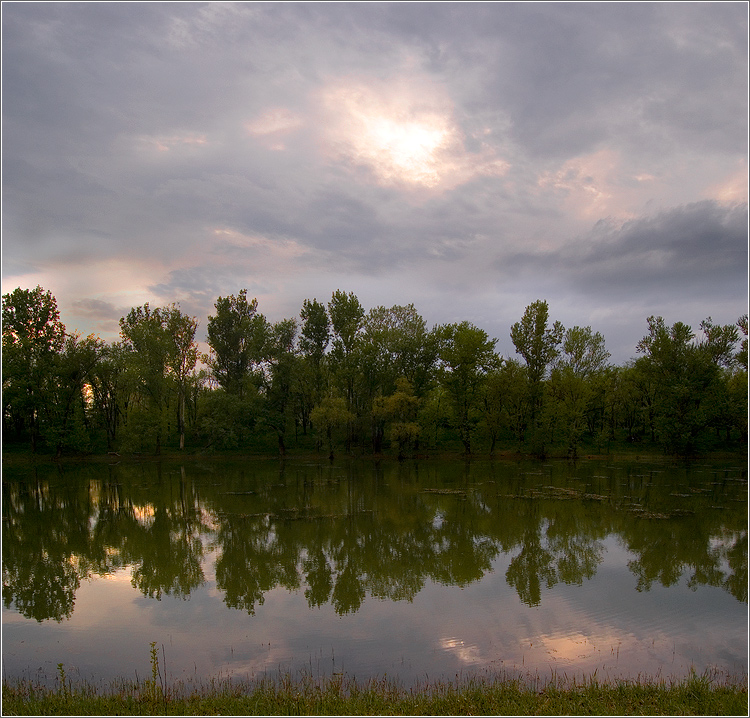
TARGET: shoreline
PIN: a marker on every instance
(15, 459)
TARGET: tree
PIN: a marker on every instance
(236, 335)
(163, 353)
(33, 337)
(584, 351)
(573, 381)
(535, 342)
(181, 359)
(108, 392)
(466, 355)
(741, 356)
(281, 364)
(346, 315)
(400, 411)
(74, 368)
(538, 345)
(330, 414)
(683, 374)
(512, 383)
(315, 334)
(394, 344)
(719, 342)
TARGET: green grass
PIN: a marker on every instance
(341, 695)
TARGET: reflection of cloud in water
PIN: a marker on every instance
(466, 653)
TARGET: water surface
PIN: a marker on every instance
(415, 570)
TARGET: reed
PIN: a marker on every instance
(343, 695)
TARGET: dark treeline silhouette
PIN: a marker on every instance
(342, 379)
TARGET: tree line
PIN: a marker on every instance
(340, 378)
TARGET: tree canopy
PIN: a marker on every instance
(355, 380)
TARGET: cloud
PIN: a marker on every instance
(403, 129)
(467, 157)
(701, 246)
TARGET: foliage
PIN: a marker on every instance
(265, 382)
(235, 335)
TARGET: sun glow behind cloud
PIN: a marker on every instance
(404, 134)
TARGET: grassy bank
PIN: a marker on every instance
(339, 695)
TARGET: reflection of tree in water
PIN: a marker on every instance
(68, 526)
(168, 557)
(164, 543)
(530, 568)
(383, 534)
(711, 552)
(254, 560)
(736, 555)
(42, 588)
(47, 546)
(343, 552)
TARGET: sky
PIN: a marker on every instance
(468, 158)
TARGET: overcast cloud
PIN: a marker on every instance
(466, 157)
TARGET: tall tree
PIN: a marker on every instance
(315, 335)
(573, 382)
(347, 317)
(75, 368)
(535, 341)
(683, 374)
(539, 345)
(466, 355)
(108, 389)
(236, 335)
(33, 337)
(719, 342)
(394, 344)
(280, 370)
(163, 352)
(181, 359)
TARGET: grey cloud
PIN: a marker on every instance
(96, 309)
(697, 249)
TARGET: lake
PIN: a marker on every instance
(415, 570)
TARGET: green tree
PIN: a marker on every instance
(741, 356)
(331, 414)
(108, 390)
(347, 316)
(75, 368)
(539, 345)
(163, 353)
(683, 374)
(394, 344)
(466, 355)
(181, 358)
(315, 335)
(235, 335)
(33, 337)
(280, 371)
(573, 383)
(399, 410)
(512, 384)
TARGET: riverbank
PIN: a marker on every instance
(18, 458)
(341, 695)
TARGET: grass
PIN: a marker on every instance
(342, 695)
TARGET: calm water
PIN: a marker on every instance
(414, 570)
